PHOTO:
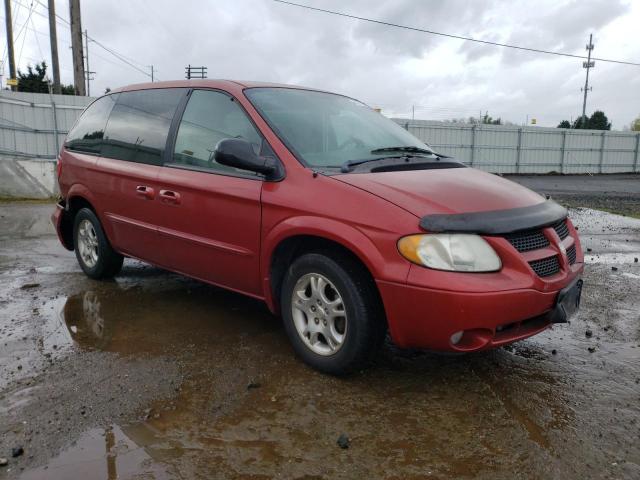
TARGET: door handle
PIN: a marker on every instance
(146, 192)
(169, 196)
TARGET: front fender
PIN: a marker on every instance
(357, 240)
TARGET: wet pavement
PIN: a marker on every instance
(616, 193)
(153, 375)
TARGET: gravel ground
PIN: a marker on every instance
(153, 375)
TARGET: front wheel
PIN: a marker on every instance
(94, 252)
(332, 313)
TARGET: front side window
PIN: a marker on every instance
(209, 117)
(139, 123)
(88, 133)
(327, 130)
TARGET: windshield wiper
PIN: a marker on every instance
(409, 149)
(346, 166)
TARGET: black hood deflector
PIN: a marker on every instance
(496, 222)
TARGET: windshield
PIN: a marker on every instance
(327, 130)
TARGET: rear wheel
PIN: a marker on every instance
(331, 312)
(93, 251)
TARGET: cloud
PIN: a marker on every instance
(384, 66)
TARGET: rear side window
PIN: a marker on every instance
(88, 134)
(211, 116)
(139, 123)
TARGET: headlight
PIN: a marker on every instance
(458, 252)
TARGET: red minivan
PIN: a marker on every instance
(340, 220)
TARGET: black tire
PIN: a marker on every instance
(109, 262)
(365, 319)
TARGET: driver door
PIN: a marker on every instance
(210, 225)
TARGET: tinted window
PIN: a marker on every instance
(88, 133)
(210, 117)
(139, 123)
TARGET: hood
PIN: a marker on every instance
(450, 190)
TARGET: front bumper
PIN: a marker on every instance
(427, 317)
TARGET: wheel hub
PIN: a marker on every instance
(319, 314)
(87, 243)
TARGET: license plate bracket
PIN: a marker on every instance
(568, 302)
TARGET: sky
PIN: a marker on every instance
(397, 70)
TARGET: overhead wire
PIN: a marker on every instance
(65, 23)
(449, 35)
(23, 29)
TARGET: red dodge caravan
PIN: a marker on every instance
(339, 219)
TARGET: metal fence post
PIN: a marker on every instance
(563, 150)
(604, 132)
(55, 127)
(518, 150)
(637, 159)
(473, 144)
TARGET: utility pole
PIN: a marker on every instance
(588, 65)
(151, 67)
(53, 40)
(88, 72)
(9, 24)
(195, 72)
(76, 47)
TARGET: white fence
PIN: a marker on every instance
(34, 125)
(32, 128)
(507, 149)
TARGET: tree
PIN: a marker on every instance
(37, 81)
(487, 120)
(484, 119)
(564, 124)
(599, 121)
(581, 122)
(635, 125)
(34, 81)
(67, 89)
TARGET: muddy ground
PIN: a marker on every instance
(157, 376)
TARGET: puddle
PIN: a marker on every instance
(110, 454)
(137, 320)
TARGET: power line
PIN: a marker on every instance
(448, 35)
(129, 61)
(23, 29)
(66, 22)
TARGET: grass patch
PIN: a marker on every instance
(36, 201)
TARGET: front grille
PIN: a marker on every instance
(546, 267)
(561, 229)
(571, 254)
(529, 240)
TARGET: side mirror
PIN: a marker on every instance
(238, 153)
